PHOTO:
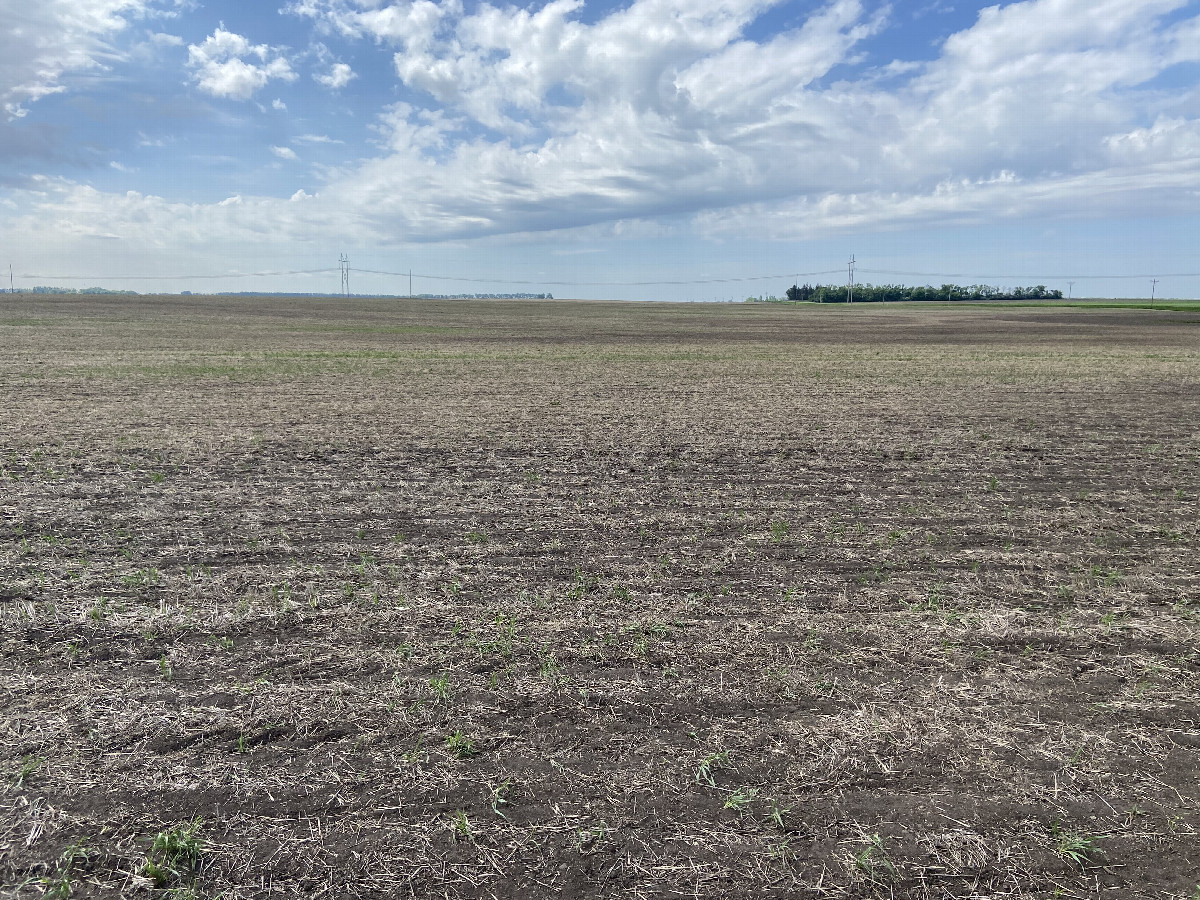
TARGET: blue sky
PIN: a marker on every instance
(583, 147)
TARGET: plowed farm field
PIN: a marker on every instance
(364, 598)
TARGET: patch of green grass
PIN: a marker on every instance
(174, 854)
(461, 745)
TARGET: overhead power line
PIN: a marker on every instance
(598, 283)
(177, 277)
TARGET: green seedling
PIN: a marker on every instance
(873, 861)
(586, 837)
(550, 669)
(500, 797)
(710, 764)
(583, 583)
(460, 826)
(440, 685)
(779, 530)
(777, 813)
(461, 745)
(29, 765)
(58, 885)
(740, 799)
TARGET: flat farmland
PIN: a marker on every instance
(520, 599)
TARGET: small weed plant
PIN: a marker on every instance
(439, 685)
(461, 745)
(29, 765)
(712, 763)
(58, 885)
(460, 826)
(174, 854)
(1076, 848)
(874, 863)
(500, 797)
(740, 799)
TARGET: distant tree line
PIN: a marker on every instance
(43, 289)
(896, 293)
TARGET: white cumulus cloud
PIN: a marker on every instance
(284, 152)
(339, 75)
(228, 65)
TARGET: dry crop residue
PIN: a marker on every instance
(385, 599)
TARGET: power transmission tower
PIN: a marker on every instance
(410, 284)
(850, 281)
(11, 289)
(344, 262)
(1153, 285)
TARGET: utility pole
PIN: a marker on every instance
(850, 281)
(1070, 289)
(11, 289)
(344, 262)
(410, 284)
(1153, 285)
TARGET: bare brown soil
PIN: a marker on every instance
(388, 599)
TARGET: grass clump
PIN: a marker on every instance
(1076, 848)
(174, 854)
(461, 745)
